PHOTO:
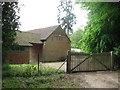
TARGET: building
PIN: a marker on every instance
(50, 43)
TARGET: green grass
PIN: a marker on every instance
(26, 76)
(31, 82)
(27, 70)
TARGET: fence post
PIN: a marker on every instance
(111, 53)
(38, 65)
(68, 62)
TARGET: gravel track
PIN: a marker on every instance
(100, 79)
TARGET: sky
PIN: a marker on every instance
(36, 14)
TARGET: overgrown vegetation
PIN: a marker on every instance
(10, 23)
(26, 76)
(27, 70)
(31, 82)
(102, 32)
(48, 79)
(75, 38)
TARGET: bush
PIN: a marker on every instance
(117, 50)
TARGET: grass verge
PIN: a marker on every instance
(26, 76)
(27, 70)
(31, 82)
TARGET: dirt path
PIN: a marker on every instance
(101, 79)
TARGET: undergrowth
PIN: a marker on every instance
(31, 82)
(27, 76)
(27, 70)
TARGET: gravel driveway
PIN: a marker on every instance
(105, 79)
(101, 79)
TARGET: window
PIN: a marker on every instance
(58, 37)
(20, 48)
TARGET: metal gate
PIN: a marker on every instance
(89, 62)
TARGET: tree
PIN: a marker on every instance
(9, 26)
(102, 32)
(75, 38)
(66, 17)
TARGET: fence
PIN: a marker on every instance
(89, 62)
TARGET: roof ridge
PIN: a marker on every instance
(44, 32)
(44, 28)
(27, 32)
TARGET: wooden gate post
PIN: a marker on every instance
(112, 66)
(68, 62)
